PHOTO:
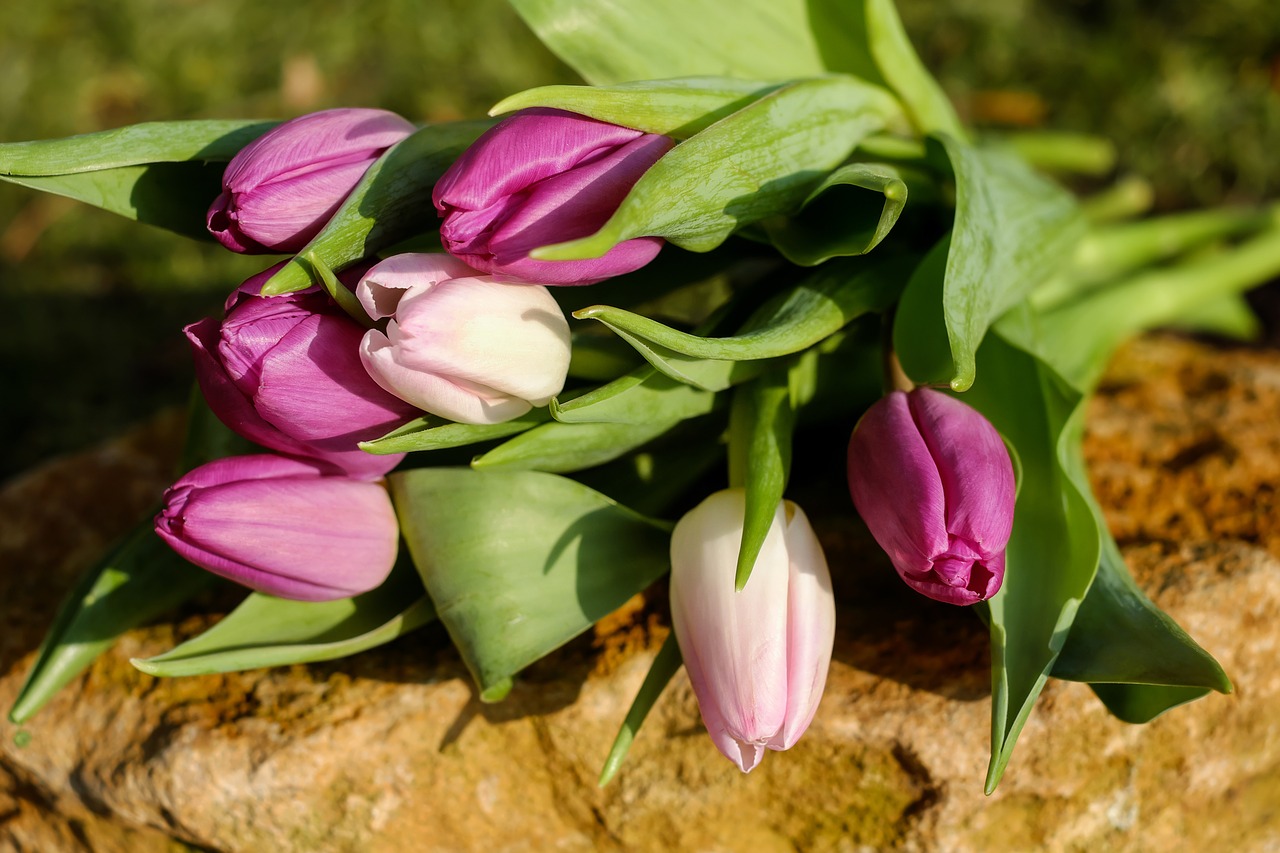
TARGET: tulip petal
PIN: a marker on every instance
(382, 287)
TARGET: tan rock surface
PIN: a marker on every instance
(391, 750)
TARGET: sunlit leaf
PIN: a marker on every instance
(518, 563)
(760, 424)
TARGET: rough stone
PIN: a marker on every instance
(392, 750)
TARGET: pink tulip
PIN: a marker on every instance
(285, 372)
(545, 176)
(282, 526)
(473, 348)
(280, 189)
(758, 658)
(932, 479)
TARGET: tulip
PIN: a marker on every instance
(280, 189)
(758, 658)
(932, 479)
(475, 349)
(282, 526)
(285, 372)
(545, 176)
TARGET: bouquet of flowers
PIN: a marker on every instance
(514, 371)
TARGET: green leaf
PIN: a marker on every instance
(269, 631)
(837, 221)
(518, 563)
(432, 433)
(161, 173)
(677, 108)
(1013, 229)
(1064, 153)
(134, 583)
(209, 141)
(664, 667)
(761, 161)
(613, 41)
(866, 38)
(1054, 550)
(391, 203)
(831, 297)
(642, 396)
(760, 426)
(564, 447)
(1078, 337)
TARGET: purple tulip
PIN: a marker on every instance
(280, 189)
(758, 658)
(282, 526)
(932, 479)
(285, 372)
(545, 176)
(473, 348)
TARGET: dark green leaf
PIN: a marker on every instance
(1053, 553)
(269, 631)
(432, 433)
(760, 425)
(840, 218)
(614, 41)
(518, 563)
(391, 203)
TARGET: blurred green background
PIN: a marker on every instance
(91, 305)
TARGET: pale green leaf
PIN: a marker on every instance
(268, 631)
(664, 667)
(761, 421)
(614, 41)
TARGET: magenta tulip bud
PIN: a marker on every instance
(758, 658)
(285, 372)
(475, 349)
(282, 526)
(545, 176)
(932, 479)
(280, 189)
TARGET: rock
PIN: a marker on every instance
(391, 749)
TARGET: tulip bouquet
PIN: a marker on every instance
(501, 357)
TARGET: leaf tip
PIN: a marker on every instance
(145, 665)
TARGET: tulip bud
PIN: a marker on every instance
(282, 526)
(476, 349)
(758, 658)
(545, 176)
(280, 189)
(285, 372)
(932, 479)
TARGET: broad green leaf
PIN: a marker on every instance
(564, 447)
(761, 421)
(841, 218)
(642, 396)
(613, 41)
(134, 583)
(1078, 337)
(1142, 703)
(391, 203)
(1013, 229)
(269, 631)
(761, 161)
(664, 667)
(518, 563)
(1054, 550)
(866, 38)
(161, 173)
(209, 141)
(677, 108)
(830, 298)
